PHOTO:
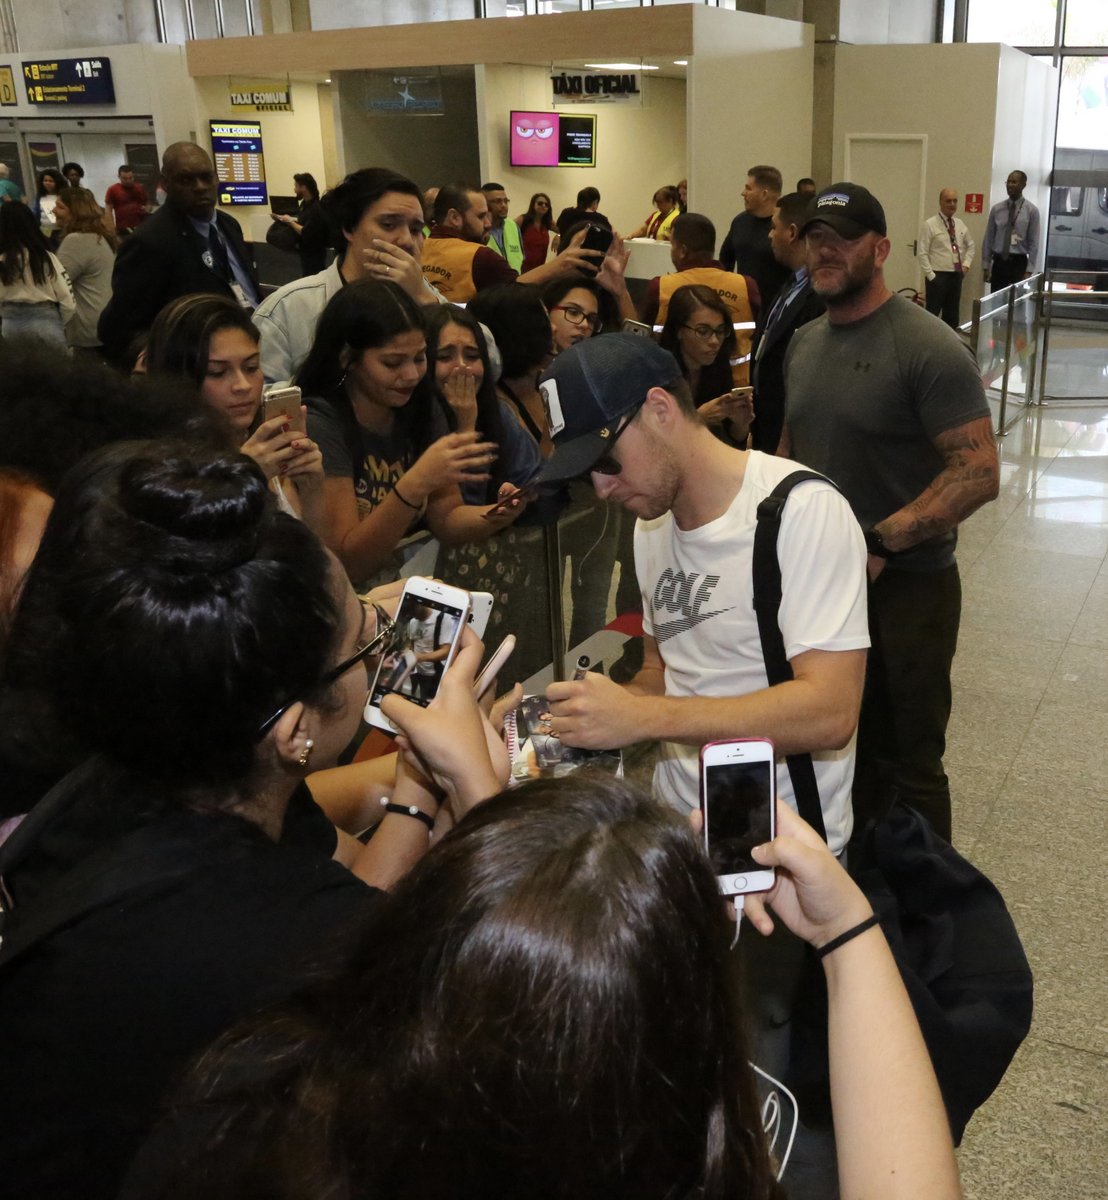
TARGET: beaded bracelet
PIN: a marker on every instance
(843, 938)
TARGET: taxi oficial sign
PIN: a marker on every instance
(69, 81)
(260, 95)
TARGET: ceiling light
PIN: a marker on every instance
(680, 62)
(621, 67)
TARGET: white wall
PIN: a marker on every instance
(351, 14)
(750, 102)
(291, 142)
(638, 149)
(985, 109)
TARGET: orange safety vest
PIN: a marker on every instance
(731, 289)
(448, 266)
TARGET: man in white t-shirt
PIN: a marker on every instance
(629, 421)
(620, 411)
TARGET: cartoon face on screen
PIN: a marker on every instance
(534, 140)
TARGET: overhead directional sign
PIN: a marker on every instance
(69, 81)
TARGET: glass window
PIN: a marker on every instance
(1014, 22)
(1066, 201)
(1102, 199)
(1086, 23)
(1083, 103)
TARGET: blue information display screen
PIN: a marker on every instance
(239, 162)
(69, 81)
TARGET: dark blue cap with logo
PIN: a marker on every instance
(849, 209)
(589, 387)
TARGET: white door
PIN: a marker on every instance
(894, 168)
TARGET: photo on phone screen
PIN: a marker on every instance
(425, 634)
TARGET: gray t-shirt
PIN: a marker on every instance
(865, 403)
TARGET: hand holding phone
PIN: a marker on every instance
(738, 796)
(284, 402)
(427, 630)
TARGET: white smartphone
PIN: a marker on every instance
(429, 623)
(284, 402)
(480, 609)
(738, 796)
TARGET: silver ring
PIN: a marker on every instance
(388, 270)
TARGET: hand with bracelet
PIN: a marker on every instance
(812, 895)
(451, 740)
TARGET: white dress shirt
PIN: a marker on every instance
(935, 251)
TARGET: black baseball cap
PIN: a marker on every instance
(588, 388)
(849, 209)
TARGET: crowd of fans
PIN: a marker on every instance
(233, 961)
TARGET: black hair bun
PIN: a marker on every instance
(195, 516)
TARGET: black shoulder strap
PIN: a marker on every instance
(767, 602)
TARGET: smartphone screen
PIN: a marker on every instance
(738, 799)
(423, 638)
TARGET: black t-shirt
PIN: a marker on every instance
(98, 1021)
(747, 250)
(569, 217)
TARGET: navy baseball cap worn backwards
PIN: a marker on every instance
(588, 388)
(849, 209)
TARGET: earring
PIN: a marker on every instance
(306, 753)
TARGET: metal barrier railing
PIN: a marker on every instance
(1004, 334)
(1078, 302)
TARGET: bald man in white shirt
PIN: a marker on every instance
(945, 254)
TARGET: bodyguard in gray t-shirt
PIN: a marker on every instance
(886, 401)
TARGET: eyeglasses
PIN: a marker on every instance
(336, 673)
(578, 316)
(607, 465)
(708, 333)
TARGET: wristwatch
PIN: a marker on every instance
(875, 544)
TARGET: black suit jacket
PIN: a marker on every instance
(161, 260)
(768, 374)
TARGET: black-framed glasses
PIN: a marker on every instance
(606, 464)
(707, 333)
(577, 316)
(336, 673)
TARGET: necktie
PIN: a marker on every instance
(954, 245)
(1006, 252)
(221, 264)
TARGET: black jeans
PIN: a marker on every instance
(944, 295)
(913, 621)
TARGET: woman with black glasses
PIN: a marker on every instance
(699, 332)
(206, 653)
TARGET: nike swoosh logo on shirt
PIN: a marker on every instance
(672, 628)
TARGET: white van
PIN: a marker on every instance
(1078, 227)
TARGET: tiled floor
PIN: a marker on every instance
(1028, 760)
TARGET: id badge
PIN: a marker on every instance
(240, 295)
(1014, 241)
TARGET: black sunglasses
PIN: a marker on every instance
(606, 464)
(334, 674)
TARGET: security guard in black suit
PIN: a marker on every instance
(186, 246)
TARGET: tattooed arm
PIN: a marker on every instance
(970, 478)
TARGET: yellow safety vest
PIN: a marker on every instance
(732, 290)
(513, 245)
(448, 266)
(661, 234)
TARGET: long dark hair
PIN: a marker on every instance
(307, 179)
(187, 607)
(571, 1027)
(607, 308)
(22, 245)
(531, 216)
(181, 336)
(364, 316)
(716, 377)
(489, 424)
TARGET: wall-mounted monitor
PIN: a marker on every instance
(239, 163)
(541, 139)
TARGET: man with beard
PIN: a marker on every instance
(888, 403)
